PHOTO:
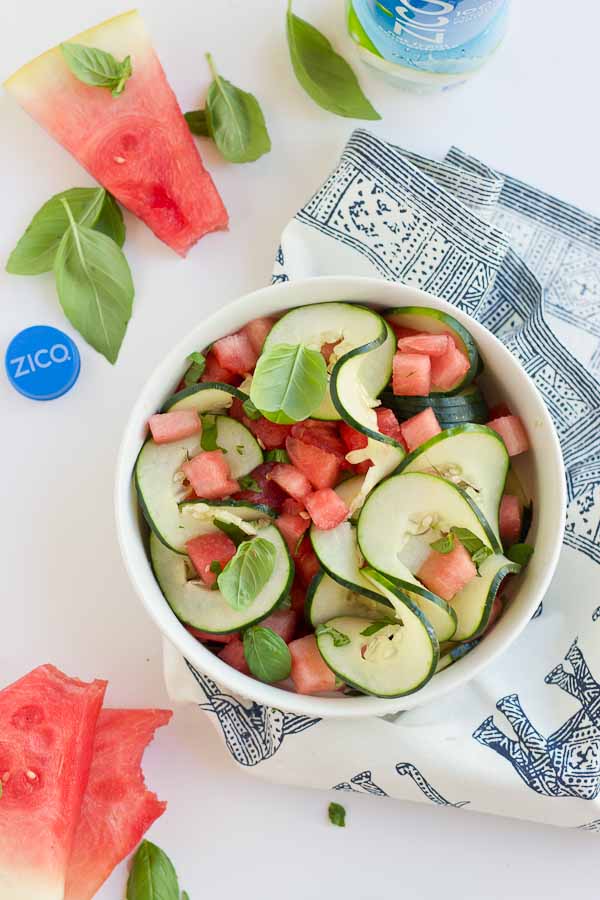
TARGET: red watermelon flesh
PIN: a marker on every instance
(117, 808)
(137, 145)
(47, 725)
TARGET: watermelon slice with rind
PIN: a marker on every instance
(117, 808)
(47, 726)
(137, 145)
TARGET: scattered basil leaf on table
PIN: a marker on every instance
(289, 383)
(244, 576)
(444, 544)
(276, 456)
(196, 370)
(208, 439)
(267, 654)
(152, 875)
(36, 249)
(248, 483)
(97, 68)
(374, 627)
(251, 411)
(520, 553)
(337, 814)
(94, 286)
(323, 73)
(338, 637)
(197, 122)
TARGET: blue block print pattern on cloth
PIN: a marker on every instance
(253, 733)
(425, 787)
(566, 764)
(363, 781)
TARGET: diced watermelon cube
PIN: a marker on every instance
(292, 507)
(298, 597)
(326, 509)
(411, 375)
(448, 369)
(310, 673)
(282, 622)
(292, 480)
(353, 439)
(388, 424)
(499, 410)
(401, 331)
(272, 435)
(320, 434)
(233, 654)
(420, 428)
(174, 426)
(236, 410)
(307, 564)
(215, 372)
(447, 573)
(511, 519)
(209, 475)
(269, 493)
(208, 548)
(236, 353)
(292, 529)
(257, 330)
(512, 432)
(205, 636)
(320, 467)
(430, 344)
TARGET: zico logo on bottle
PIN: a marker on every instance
(42, 363)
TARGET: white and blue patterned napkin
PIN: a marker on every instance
(523, 739)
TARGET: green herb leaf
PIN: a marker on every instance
(215, 567)
(94, 286)
(338, 637)
(248, 483)
(235, 120)
(469, 540)
(374, 627)
(267, 654)
(323, 73)
(36, 250)
(481, 554)
(251, 411)
(198, 122)
(277, 456)
(208, 439)
(232, 531)
(185, 895)
(289, 383)
(97, 67)
(520, 553)
(196, 370)
(337, 814)
(444, 544)
(244, 576)
(152, 875)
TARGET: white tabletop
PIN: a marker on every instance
(65, 596)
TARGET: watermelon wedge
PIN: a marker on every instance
(137, 145)
(117, 808)
(47, 724)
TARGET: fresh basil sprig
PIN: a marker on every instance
(246, 574)
(338, 637)
(520, 553)
(97, 68)
(289, 383)
(36, 250)
(474, 545)
(323, 73)
(267, 654)
(337, 814)
(233, 119)
(152, 875)
(195, 372)
(94, 286)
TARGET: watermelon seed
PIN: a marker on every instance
(5, 777)
(31, 775)
(119, 159)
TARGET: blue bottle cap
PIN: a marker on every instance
(42, 363)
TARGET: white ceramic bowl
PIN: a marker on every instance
(541, 471)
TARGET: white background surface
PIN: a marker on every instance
(65, 596)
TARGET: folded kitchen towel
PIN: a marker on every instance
(523, 739)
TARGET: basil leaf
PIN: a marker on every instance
(337, 814)
(248, 483)
(152, 875)
(323, 73)
(277, 456)
(235, 120)
(110, 221)
(36, 250)
(215, 567)
(289, 383)
(267, 654)
(374, 627)
(196, 370)
(232, 531)
(185, 895)
(338, 637)
(481, 554)
(469, 540)
(97, 67)
(244, 576)
(251, 411)
(444, 544)
(520, 553)
(94, 286)
(208, 439)
(197, 122)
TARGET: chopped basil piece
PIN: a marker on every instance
(444, 544)
(374, 627)
(248, 483)
(277, 456)
(251, 411)
(196, 370)
(520, 553)
(337, 814)
(338, 637)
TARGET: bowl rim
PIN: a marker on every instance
(285, 295)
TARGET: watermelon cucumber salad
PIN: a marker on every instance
(331, 500)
